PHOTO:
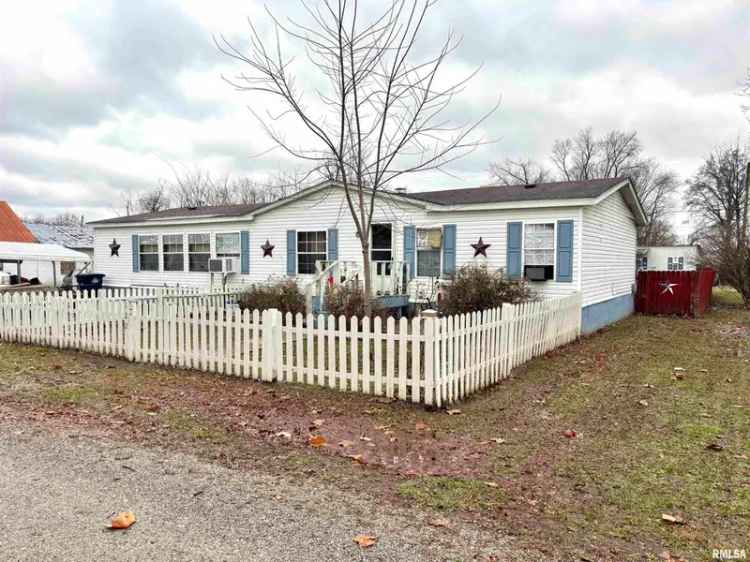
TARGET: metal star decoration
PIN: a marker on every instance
(267, 249)
(114, 247)
(668, 287)
(480, 248)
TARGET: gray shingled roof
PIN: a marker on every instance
(72, 236)
(185, 212)
(587, 189)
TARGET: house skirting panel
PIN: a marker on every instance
(595, 316)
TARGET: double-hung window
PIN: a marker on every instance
(199, 251)
(676, 264)
(429, 244)
(539, 244)
(381, 248)
(172, 247)
(228, 245)
(148, 252)
(311, 247)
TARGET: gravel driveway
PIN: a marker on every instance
(58, 489)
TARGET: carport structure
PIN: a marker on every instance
(19, 252)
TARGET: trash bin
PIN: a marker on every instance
(90, 281)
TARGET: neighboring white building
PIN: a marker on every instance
(79, 238)
(667, 258)
(571, 236)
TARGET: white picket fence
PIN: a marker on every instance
(426, 360)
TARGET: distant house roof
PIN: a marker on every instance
(586, 189)
(74, 236)
(12, 228)
(185, 213)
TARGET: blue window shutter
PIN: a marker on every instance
(136, 251)
(291, 252)
(449, 249)
(410, 245)
(513, 256)
(333, 244)
(565, 251)
(244, 252)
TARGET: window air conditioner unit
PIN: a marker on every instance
(222, 265)
(539, 272)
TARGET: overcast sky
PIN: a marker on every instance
(100, 97)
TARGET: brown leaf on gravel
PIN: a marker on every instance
(365, 541)
(492, 484)
(364, 438)
(439, 522)
(495, 440)
(345, 443)
(715, 447)
(319, 422)
(454, 412)
(421, 426)
(122, 520)
(357, 458)
(674, 519)
(643, 402)
(316, 440)
(284, 434)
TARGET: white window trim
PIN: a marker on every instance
(554, 222)
(297, 252)
(214, 245)
(161, 252)
(416, 250)
(158, 254)
(186, 237)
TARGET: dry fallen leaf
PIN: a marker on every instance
(715, 447)
(318, 422)
(365, 541)
(643, 402)
(364, 438)
(421, 426)
(439, 522)
(122, 520)
(382, 427)
(454, 412)
(357, 458)
(492, 484)
(674, 519)
(345, 443)
(316, 441)
(284, 434)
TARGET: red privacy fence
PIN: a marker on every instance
(687, 293)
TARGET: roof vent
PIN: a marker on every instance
(400, 190)
(530, 186)
(193, 208)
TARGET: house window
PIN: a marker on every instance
(381, 248)
(228, 245)
(149, 253)
(199, 251)
(311, 247)
(539, 244)
(643, 263)
(171, 247)
(429, 243)
(676, 264)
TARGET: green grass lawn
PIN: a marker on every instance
(660, 407)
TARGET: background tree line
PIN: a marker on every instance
(585, 156)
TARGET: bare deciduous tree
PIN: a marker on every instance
(618, 153)
(720, 195)
(381, 113)
(154, 200)
(515, 172)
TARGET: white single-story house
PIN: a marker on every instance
(667, 258)
(562, 236)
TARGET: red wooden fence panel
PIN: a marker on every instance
(674, 292)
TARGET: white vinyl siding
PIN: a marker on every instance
(609, 250)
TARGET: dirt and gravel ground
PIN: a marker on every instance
(58, 488)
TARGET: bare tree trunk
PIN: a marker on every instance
(367, 273)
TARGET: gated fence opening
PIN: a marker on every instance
(426, 360)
